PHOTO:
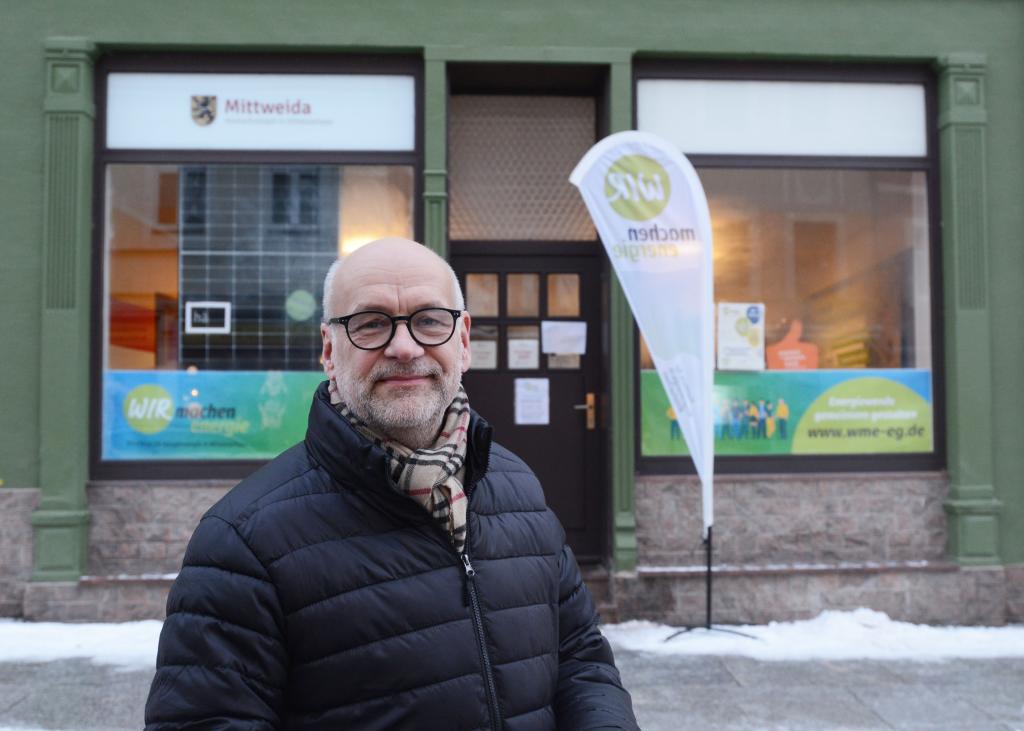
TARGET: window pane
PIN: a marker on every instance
(482, 295)
(523, 295)
(523, 347)
(563, 295)
(484, 347)
(214, 282)
(841, 255)
(510, 159)
(839, 259)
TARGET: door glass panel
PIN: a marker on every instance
(483, 347)
(563, 295)
(564, 361)
(523, 294)
(523, 347)
(482, 295)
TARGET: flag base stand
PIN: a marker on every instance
(707, 587)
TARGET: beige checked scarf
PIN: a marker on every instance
(431, 476)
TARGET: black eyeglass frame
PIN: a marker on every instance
(395, 319)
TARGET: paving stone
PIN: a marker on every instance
(811, 707)
(680, 693)
(749, 672)
(917, 705)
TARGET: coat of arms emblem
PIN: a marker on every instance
(204, 109)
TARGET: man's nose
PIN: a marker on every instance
(402, 347)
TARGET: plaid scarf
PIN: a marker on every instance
(431, 476)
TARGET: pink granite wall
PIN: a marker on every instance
(786, 519)
(143, 527)
(16, 506)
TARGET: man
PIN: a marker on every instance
(396, 570)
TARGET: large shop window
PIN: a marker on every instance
(213, 269)
(820, 209)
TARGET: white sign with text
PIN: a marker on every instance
(261, 112)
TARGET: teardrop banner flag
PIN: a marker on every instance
(650, 210)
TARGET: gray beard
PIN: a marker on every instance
(414, 420)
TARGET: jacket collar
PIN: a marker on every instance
(353, 460)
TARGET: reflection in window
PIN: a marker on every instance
(482, 294)
(563, 295)
(839, 258)
(523, 293)
(259, 237)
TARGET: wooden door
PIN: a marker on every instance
(510, 297)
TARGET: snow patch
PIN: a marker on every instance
(862, 634)
(128, 646)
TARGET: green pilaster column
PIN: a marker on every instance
(972, 508)
(623, 363)
(60, 524)
(435, 155)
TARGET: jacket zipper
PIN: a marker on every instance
(478, 625)
(470, 599)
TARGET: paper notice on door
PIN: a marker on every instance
(483, 354)
(533, 404)
(558, 336)
(523, 354)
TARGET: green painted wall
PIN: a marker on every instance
(529, 30)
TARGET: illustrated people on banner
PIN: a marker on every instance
(738, 419)
(782, 417)
(752, 418)
(380, 574)
(724, 429)
(675, 433)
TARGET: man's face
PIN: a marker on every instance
(404, 386)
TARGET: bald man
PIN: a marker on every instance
(395, 570)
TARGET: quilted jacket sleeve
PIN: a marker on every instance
(221, 664)
(590, 694)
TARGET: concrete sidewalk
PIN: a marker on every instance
(673, 693)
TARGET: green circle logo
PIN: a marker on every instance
(148, 409)
(300, 305)
(637, 187)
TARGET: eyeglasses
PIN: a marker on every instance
(372, 330)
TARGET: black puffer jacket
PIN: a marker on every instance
(315, 596)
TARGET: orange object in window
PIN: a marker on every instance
(790, 354)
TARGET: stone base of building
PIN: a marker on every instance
(1015, 593)
(786, 547)
(16, 506)
(96, 599)
(929, 593)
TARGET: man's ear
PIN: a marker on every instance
(464, 336)
(328, 351)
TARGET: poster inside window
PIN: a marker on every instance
(214, 281)
(823, 293)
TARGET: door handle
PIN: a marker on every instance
(591, 408)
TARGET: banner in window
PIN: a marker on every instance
(251, 415)
(875, 411)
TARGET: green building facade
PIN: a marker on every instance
(931, 531)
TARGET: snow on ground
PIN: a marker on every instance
(862, 634)
(131, 645)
